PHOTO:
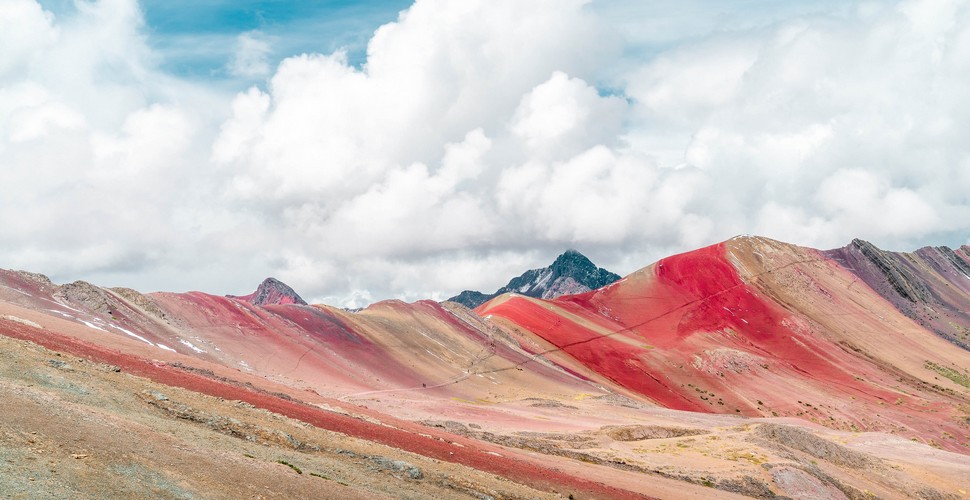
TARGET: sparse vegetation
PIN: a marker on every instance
(950, 373)
(321, 476)
(295, 468)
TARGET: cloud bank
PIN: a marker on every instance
(478, 139)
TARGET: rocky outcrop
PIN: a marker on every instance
(897, 276)
(143, 302)
(90, 297)
(930, 285)
(272, 292)
(569, 274)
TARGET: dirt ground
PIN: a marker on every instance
(72, 428)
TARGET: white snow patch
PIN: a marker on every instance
(544, 279)
(63, 305)
(167, 348)
(192, 346)
(133, 334)
(92, 325)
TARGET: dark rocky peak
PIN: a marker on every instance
(577, 266)
(570, 273)
(272, 292)
(471, 298)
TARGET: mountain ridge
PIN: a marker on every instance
(571, 273)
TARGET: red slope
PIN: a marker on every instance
(690, 334)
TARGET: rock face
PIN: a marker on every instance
(272, 292)
(571, 273)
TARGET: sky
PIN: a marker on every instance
(361, 151)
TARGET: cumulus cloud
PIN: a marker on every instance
(476, 140)
(95, 146)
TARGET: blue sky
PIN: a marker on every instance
(197, 38)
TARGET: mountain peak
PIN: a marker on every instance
(573, 259)
(272, 292)
(571, 273)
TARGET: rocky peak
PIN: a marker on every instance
(570, 273)
(576, 265)
(272, 292)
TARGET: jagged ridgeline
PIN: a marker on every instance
(570, 273)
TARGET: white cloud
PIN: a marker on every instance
(25, 30)
(96, 154)
(478, 139)
(251, 58)
(563, 116)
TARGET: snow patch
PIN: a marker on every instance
(544, 279)
(133, 334)
(192, 346)
(167, 348)
(92, 325)
(62, 313)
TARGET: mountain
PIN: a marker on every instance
(569, 274)
(272, 292)
(753, 366)
(761, 328)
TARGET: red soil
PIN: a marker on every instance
(645, 333)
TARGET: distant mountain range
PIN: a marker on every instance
(569, 274)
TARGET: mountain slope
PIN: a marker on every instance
(569, 274)
(757, 327)
(930, 286)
